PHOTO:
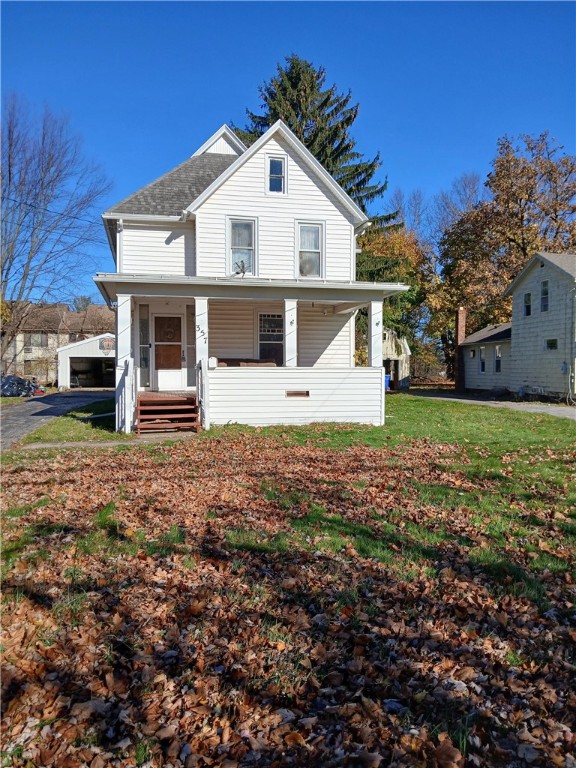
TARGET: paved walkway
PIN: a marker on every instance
(16, 421)
(562, 411)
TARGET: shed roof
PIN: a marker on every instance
(490, 335)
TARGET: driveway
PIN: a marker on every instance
(16, 421)
(562, 411)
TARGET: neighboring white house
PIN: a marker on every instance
(235, 283)
(88, 363)
(536, 352)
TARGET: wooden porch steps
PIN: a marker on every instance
(166, 412)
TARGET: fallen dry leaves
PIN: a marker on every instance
(208, 653)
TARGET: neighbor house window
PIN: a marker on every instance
(277, 174)
(310, 250)
(551, 343)
(482, 359)
(527, 304)
(242, 246)
(271, 337)
(472, 353)
(544, 296)
(497, 359)
(36, 339)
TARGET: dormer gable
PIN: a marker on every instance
(223, 142)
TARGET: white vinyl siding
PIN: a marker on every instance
(533, 366)
(259, 396)
(244, 196)
(323, 339)
(490, 379)
(155, 250)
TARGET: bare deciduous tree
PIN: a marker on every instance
(50, 194)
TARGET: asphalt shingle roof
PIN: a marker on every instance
(172, 193)
(565, 261)
(493, 334)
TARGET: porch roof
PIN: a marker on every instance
(112, 284)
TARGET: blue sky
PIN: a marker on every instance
(145, 83)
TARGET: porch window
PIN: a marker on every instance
(276, 175)
(544, 296)
(271, 337)
(144, 344)
(482, 359)
(310, 250)
(242, 246)
(527, 304)
(498, 359)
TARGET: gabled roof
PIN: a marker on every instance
(279, 128)
(565, 262)
(174, 191)
(490, 335)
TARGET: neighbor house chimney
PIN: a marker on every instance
(460, 382)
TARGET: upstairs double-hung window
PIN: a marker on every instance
(310, 250)
(242, 246)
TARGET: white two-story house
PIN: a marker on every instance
(535, 354)
(235, 289)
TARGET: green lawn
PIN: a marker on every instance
(76, 426)
(320, 595)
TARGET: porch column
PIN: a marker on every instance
(290, 333)
(375, 334)
(201, 330)
(124, 365)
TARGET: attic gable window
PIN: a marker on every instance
(544, 296)
(277, 175)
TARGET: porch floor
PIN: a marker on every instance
(167, 412)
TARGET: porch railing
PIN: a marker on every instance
(262, 396)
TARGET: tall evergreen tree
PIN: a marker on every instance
(321, 118)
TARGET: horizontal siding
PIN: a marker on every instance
(534, 366)
(324, 340)
(489, 379)
(244, 194)
(257, 396)
(158, 250)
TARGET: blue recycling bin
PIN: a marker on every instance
(387, 382)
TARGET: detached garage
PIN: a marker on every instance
(88, 363)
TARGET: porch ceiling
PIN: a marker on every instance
(111, 285)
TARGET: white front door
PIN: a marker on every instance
(169, 353)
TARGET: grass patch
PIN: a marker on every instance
(257, 541)
(75, 427)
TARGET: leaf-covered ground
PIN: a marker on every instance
(246, 600)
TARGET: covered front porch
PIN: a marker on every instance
(250, 351)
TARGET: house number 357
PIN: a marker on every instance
(201, 332)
